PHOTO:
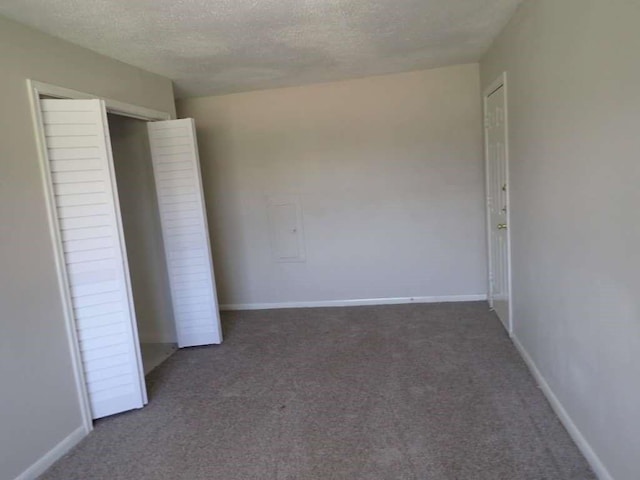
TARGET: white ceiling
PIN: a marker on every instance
(211, 47)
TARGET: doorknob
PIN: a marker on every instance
(502, 226)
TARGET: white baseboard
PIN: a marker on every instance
(596, 464)
(49, 458)
(353, 303)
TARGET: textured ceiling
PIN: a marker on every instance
(210, 47)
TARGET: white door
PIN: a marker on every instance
(498, 203)
(82, 181)
(176, 167)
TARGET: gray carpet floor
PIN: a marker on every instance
(428, 392)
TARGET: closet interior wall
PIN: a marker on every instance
(143, 238)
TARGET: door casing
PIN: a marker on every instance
(501, 81)
(35, 90)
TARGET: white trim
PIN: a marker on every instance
(501, 81)
(487, 186)
(35, 89)
(353, 302)
(44, 462)
(509, 224)
(113, 106)
(596, 464)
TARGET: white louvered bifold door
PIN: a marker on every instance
(90, 231)
(183, 217)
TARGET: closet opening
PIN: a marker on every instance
(143, 239)
(129, 232)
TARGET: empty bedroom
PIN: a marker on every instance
(319, 239)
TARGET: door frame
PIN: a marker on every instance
(501, 81)
(35, 89)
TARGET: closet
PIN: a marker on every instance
(131, 236)
(143, 238)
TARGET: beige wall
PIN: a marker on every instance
(38, 401)
(389, 173)
(574, 106)
(142, 230)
